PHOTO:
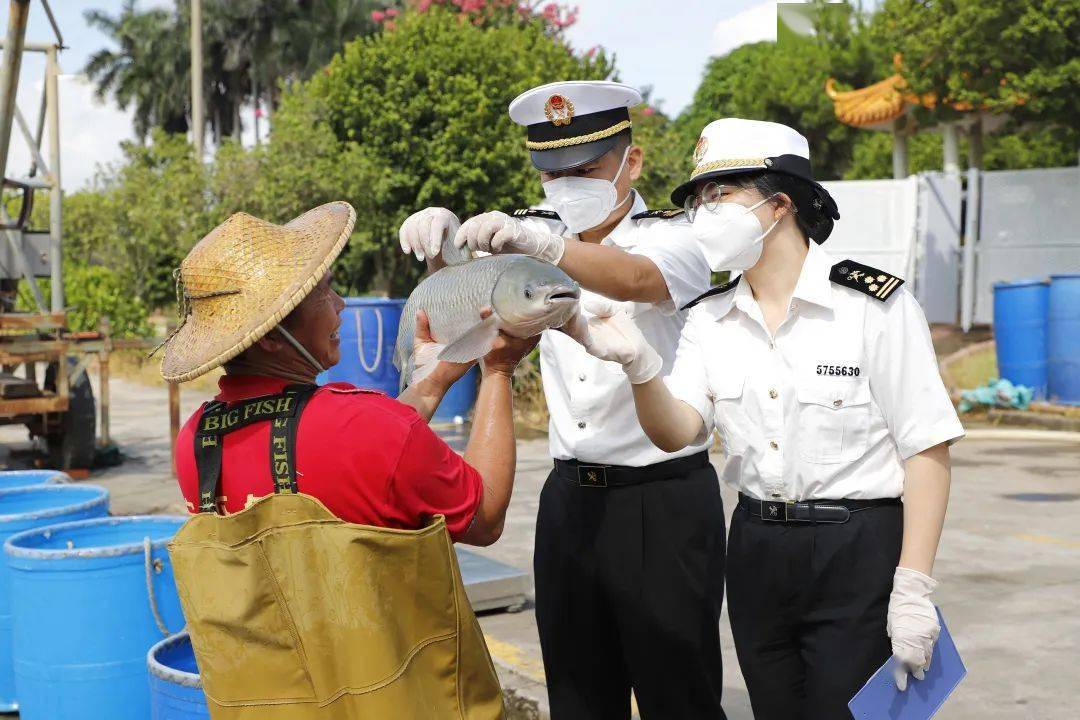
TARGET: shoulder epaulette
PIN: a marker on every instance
(666, 214)
(712, 292)
(533, 212)
(876, 283)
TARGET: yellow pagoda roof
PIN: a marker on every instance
(876, 106)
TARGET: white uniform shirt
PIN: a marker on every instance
(832, 405)
(589, 401)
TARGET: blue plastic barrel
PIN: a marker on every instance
(1063, 339)
(369, 329)
(175, 687)
(23, 508)
(87, 599)
(26, 478)
(1020, 332)
(459, 399)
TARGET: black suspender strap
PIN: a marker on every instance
(218, 419)
(283, 441)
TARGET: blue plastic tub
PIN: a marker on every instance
(369, 329)
(84, 616)
(26, 478)
(24, 508)
(1020, 333)
(1063, 339)
(175, 688)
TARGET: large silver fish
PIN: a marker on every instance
(526, 296)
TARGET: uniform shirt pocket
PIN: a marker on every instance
(834, 420)
(732, 422)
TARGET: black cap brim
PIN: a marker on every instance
(572, 156)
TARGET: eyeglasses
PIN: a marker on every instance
(709, 198)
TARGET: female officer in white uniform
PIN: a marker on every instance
(822, 381)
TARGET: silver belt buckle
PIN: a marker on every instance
(592, 476)
(774, 510)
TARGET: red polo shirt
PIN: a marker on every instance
(370, 459)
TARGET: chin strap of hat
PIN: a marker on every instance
(183, 306)
(300, 348)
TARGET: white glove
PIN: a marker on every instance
(613, 335)
(423, 232)
(913, 624)
(496, 232)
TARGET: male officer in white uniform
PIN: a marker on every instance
(630, 540)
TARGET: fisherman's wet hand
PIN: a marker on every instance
(506, 353)
(611, 334)
(423, 233)
(496, 232)
(912, 625)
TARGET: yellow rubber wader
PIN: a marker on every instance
(295, 614)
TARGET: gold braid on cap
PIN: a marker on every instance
(183, 306)
(725, 164)
(579, 140)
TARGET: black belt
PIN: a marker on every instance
(811, 511)
(601, 476)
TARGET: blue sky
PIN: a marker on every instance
(662, 45)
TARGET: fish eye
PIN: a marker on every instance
(528, 293)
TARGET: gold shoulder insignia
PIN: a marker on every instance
(876, 283)
(666, 214)
(712, 292)
(533, 212)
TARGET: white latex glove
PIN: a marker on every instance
(423, 232)
(496, 232)
(613, 335)
(913, 624)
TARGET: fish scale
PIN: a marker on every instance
(452, 299)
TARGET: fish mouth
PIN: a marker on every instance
(560, 294)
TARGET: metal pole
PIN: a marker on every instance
(56, 198)
(18, 11)
(975, 144)
(967, 275)
(950, 148)
(899, 150)
(197, 119)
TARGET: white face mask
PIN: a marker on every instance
(583, 203)
(730, 236)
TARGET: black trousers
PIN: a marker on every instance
(808, 605)
(629, 584)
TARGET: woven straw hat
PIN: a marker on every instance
(243, 278)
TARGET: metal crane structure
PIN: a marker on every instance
(59, 407)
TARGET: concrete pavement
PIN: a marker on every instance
(1009, 564)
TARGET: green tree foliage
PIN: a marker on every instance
(149, 70)
(1001, 55)
(784, 82)
(249, 47)
(420, 112)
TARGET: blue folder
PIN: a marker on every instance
(880, 700)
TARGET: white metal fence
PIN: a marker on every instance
(1019, 224)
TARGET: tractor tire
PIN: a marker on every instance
(72, 444)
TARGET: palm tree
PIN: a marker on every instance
(249, 46)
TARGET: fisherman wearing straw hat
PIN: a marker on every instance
(317, 575)
(629, 556)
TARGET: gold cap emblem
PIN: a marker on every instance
(559, 110)
(701, 148)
